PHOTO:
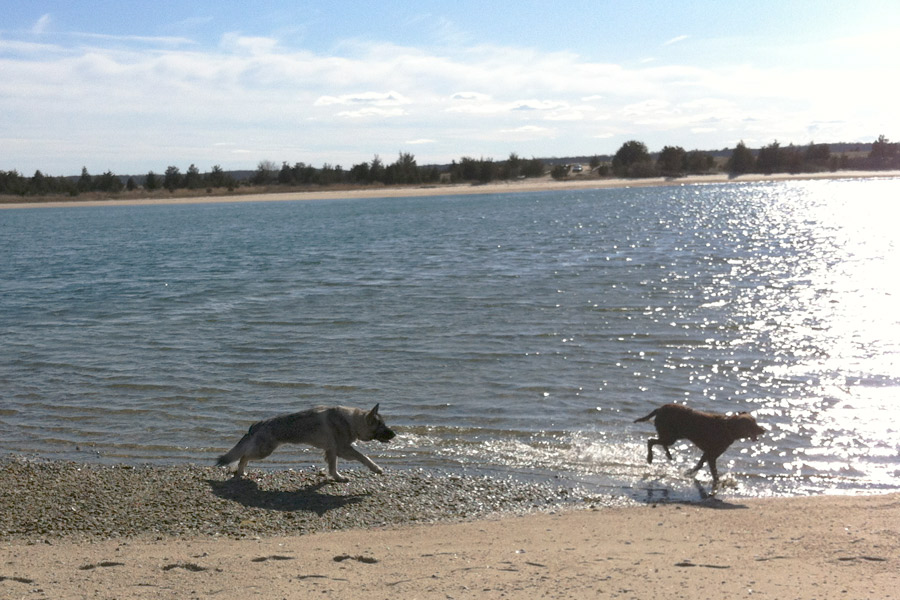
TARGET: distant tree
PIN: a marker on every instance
(817, 153)
(38, 186)
(533, 168)
(218, 178)
(109, 183)
(404, 170)
(632, 160)
(671, 161)
(595, 162)
(466, 170)
(172, 178)
(741, 161)
(151, 182)
(769, 159)
(131, 184)
(697, 162)
(330, 174)
(376, 170)
(559, 172)
(487, 170)
(512, 167)
(359, 173)
(880, 148)
(285, 175)
(304, 174)
(884, 154)
(11, 182)
(792, 160)
(85, 182)
(430, 174)
(192, 179)
(265, 173)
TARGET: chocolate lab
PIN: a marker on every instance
(711, 432)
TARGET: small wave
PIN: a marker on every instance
(282, 384)
(139, 387)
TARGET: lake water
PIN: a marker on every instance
(503, 335)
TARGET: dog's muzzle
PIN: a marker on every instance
(384, 434)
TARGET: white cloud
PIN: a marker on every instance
(132, 104)
(675, 40)
(253, 45)
(372, 111)
(364, 98)
(529, 132)
(41, 24)
(537, 105)
(470, 97)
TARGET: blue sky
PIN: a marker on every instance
(138, 86)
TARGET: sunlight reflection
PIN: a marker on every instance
(828, 316)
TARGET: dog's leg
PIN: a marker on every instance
(242, 464)
(351, 453)
(714, 471)
(331, 458)
(699, 465)
(653, 442)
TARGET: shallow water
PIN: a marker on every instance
(508, 334)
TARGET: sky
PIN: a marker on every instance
(136, 86)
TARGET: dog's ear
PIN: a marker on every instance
(374, 411)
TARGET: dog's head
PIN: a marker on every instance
(377, 427)
(743, 425)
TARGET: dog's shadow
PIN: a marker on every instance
(706, 500)
(310, 499)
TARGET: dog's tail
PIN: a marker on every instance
(235, 454)
(648, 417)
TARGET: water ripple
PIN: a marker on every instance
(510, 333)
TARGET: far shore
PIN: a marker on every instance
(499, 187)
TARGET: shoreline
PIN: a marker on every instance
(504, 187)
(805, 547)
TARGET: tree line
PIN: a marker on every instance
(403, 171)
(774, 158)
(632, 160)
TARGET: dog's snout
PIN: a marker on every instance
(385, 435)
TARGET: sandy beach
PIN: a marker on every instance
(71, 530)
(502, 187)
(824, 547)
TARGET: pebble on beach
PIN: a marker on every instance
(47, 500)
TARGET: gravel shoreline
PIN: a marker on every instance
(53, 500)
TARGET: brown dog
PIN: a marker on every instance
(712, 433)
